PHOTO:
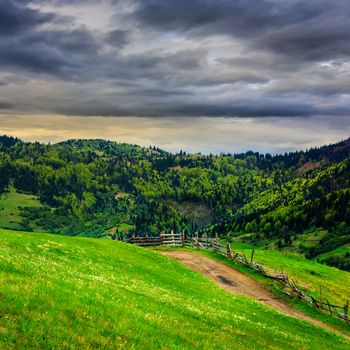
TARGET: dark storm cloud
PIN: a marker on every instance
(24, 45)
(15, 19)
(169, 107)
(117, 38)
(212, 17)
(317, 40)
(54, 52)
(256, 58)
(57, 2)
(313, 29)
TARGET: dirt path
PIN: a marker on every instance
(237, 282)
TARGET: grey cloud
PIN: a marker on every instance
(312, 30)
(55, 52)
(27, 46)
(117, 38)
(256, 58)
(167, 104)
(314, 41)
(6, 105)
(15, 18)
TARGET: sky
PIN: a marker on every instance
(198, 75)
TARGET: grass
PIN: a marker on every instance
(60, 292)
(310, 238)
(125, 227)
(338, 251)
(10, 203)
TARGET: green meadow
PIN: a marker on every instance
(10, 204)
(345, 249)
(78, 293)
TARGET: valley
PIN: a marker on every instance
(297, 202)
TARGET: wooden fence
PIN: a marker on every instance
(145, 241)
(288, 286)
(164, 239)
(173, 239)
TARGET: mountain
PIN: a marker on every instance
(296, 201)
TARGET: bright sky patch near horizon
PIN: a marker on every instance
(199, 75)
(191, 134)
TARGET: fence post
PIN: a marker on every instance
(252, 256)
(216, 242)
(197, 240)
(161, 238)
(183, 238)
(229, 252)
(346, 308)
(329, 307)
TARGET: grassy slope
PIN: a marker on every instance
(335, 283)
(75, 293)
(9, 207)
(338, 251)
(310, 238)
(295, 302)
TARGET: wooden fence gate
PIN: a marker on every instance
(164, 239)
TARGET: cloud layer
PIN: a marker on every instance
(222, 58)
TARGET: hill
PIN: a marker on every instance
(318, 199)
(79, 293)
(99, 188)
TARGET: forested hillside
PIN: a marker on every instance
(98, 188)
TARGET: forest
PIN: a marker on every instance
(100, 188)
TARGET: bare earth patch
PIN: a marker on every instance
(237, 282)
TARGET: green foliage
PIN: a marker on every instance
(93, 186)
(77, 293)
